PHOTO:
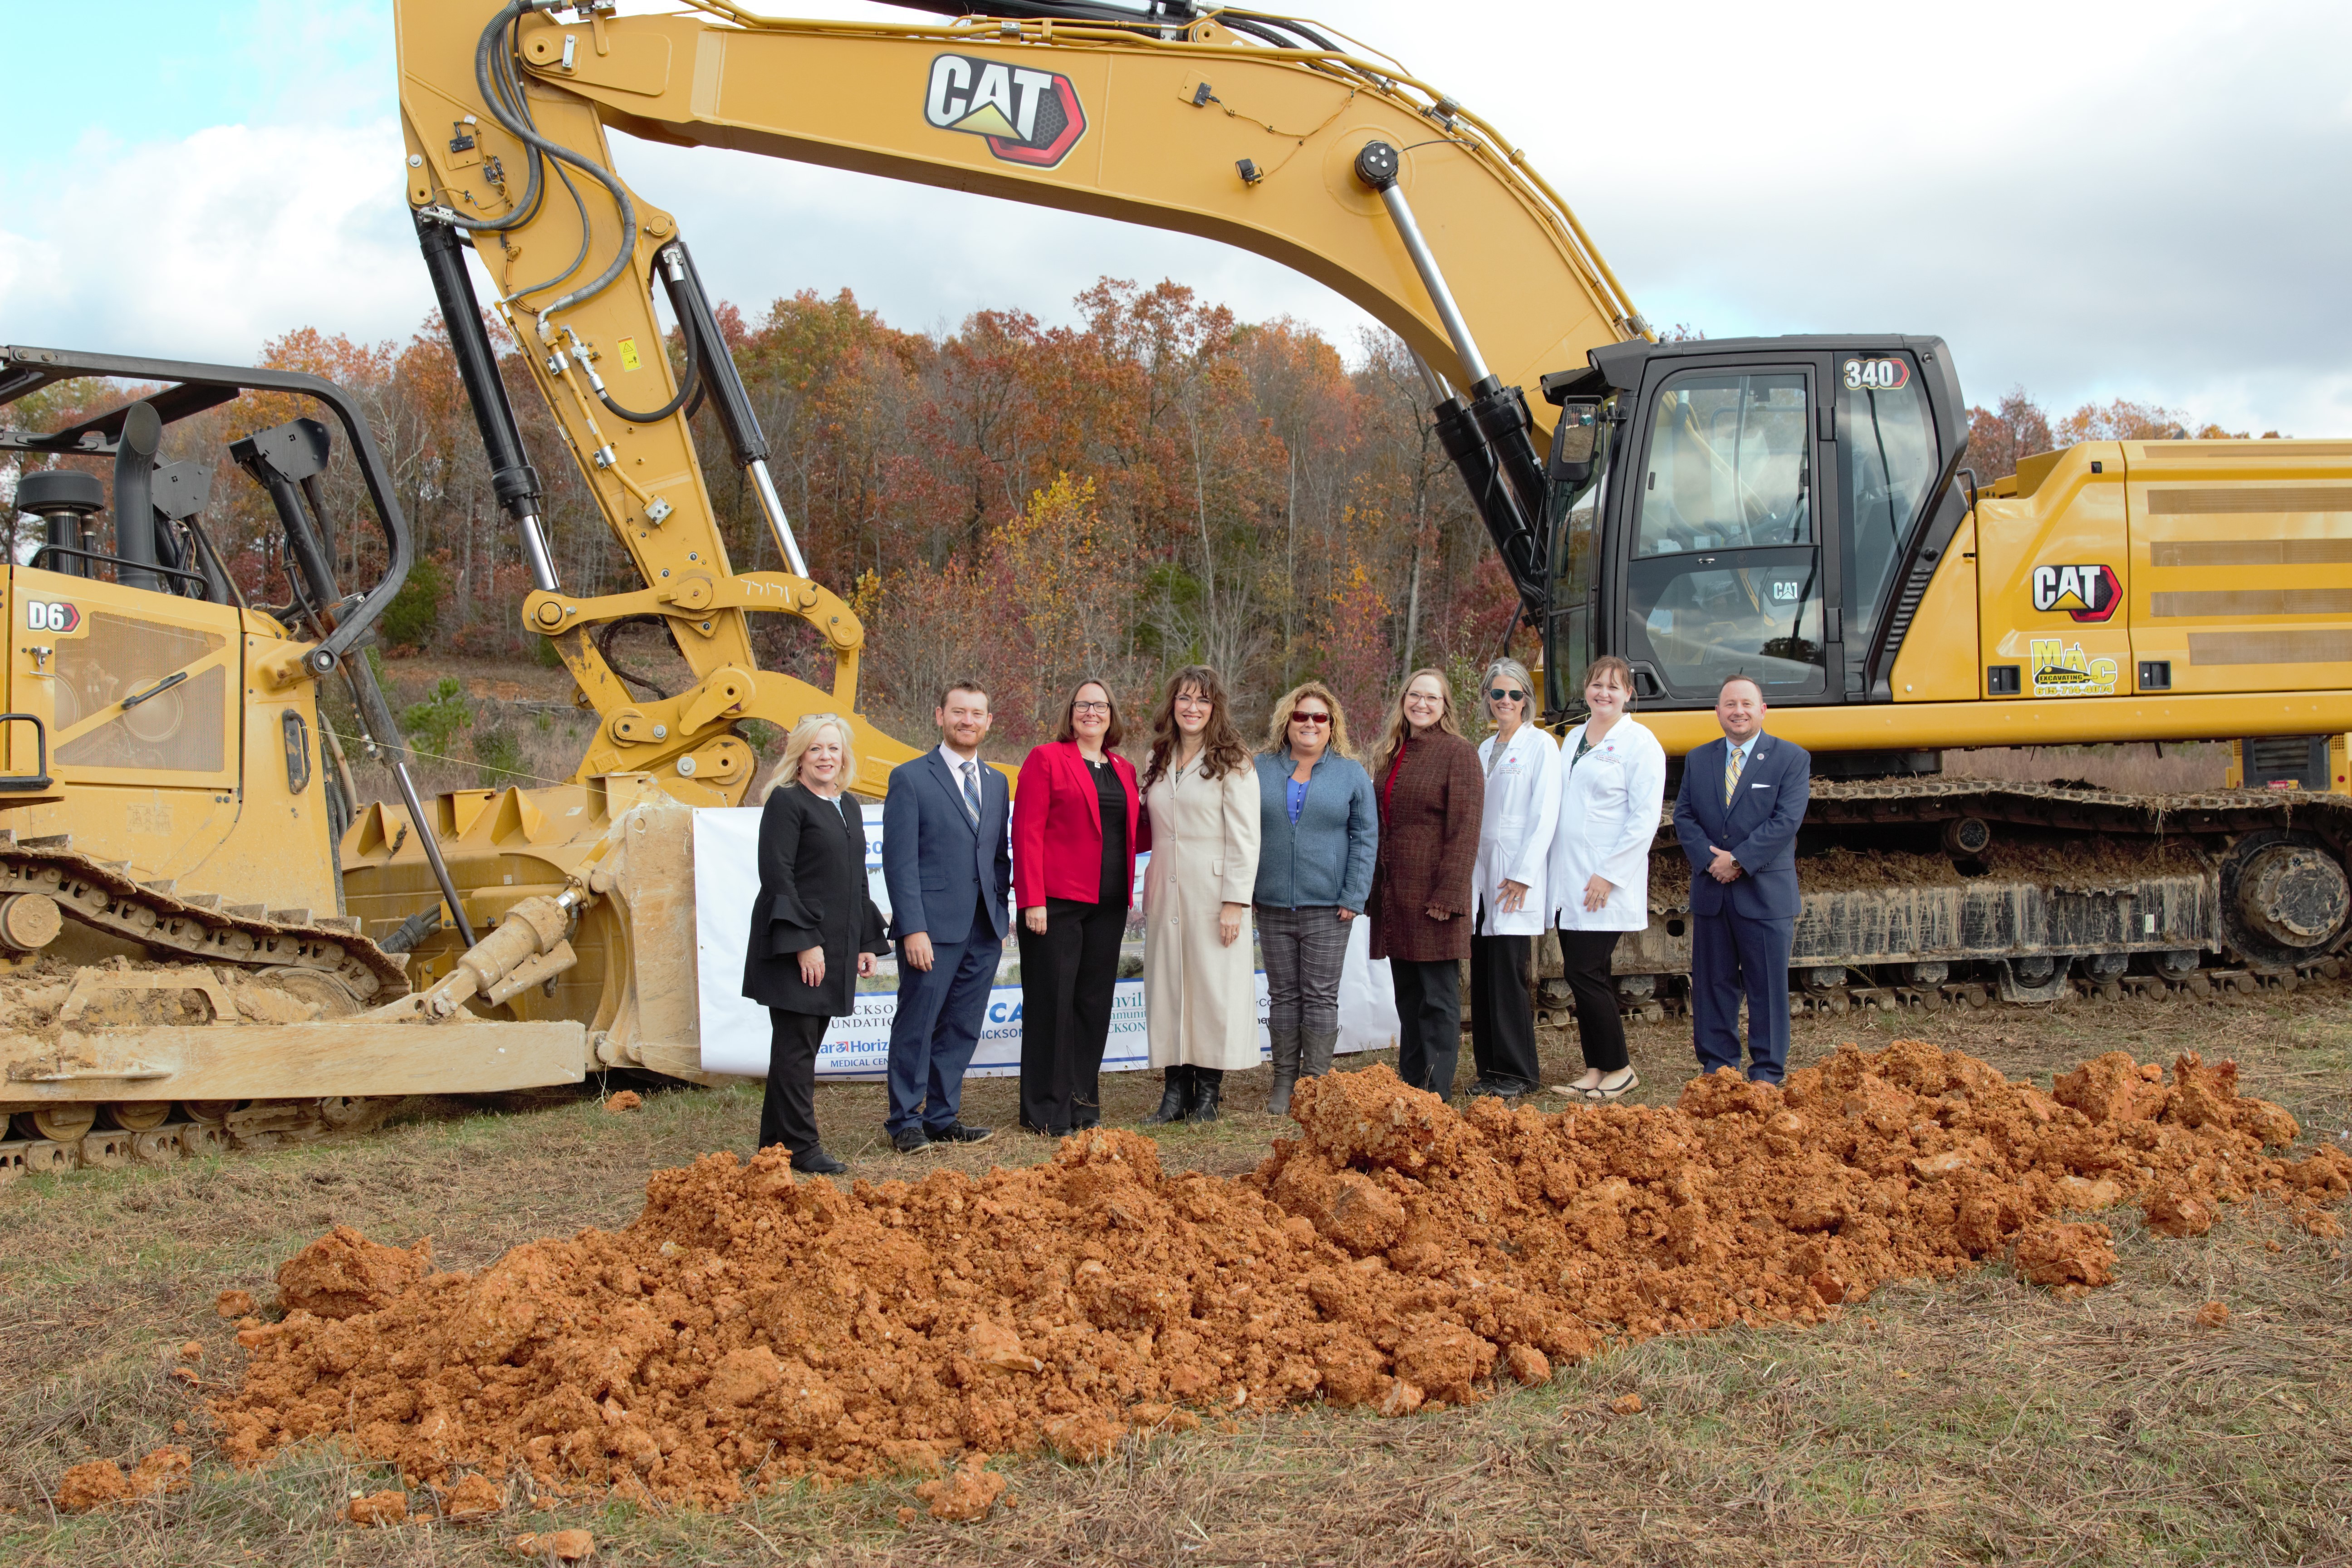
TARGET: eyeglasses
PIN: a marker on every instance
(1090, 706)
(1503, 694)
(1311, 717)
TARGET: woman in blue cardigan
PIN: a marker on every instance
(1317, 829)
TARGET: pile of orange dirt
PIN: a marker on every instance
(748, 1328)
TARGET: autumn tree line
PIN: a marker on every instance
(1156, 484)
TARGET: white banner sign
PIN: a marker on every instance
(735, 1030)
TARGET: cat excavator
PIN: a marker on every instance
(1795, 509)
(1798, 510)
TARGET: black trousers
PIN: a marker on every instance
(1429, 1022)
(1599, 1028)
(1067, 977)
(788, 1109)
(1502, 1020)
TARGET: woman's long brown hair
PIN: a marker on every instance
(1400, 726)
(1221, 750)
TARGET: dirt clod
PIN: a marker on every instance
(969, 1493)
(101, 1481)
(475, 1497)
(2213, 1315)
(563, 1545)
(193, 1350)
(233, 1303)
(343, 1274)
(2175, 1212)
(92, 1485)
(750, 1329)
(1626, 1404)
(379, 1509)
(626, 1099)
(2062, 1255)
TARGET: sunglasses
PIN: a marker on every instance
(1505, 694)
(1311, 717)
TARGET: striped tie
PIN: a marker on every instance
(1731, 755)
(971, 791)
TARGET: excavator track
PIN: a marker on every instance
(1951, 892)
(198, 941)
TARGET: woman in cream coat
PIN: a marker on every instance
(1615, 784)
(1515, 837)
(1200, 981)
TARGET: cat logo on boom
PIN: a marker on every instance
(2084, 593)
(1026, 116)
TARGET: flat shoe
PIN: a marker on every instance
(1601, 1094)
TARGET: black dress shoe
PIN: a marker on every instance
(911, 1142)
(817, 1162)
(957, 1132)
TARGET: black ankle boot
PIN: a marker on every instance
(1208, 1086)
(1173, 1098)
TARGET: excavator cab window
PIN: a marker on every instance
(1726, 573)
(1891, 464)
(1578, 464)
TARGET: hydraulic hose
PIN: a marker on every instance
(483, 54)
(514, 119)
(688, 385)
(508, 106)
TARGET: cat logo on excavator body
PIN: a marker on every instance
(1026, 116)
(2084, 593)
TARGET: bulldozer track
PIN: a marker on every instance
(104, 896)
(198, 927)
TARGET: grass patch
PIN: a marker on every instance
(1972, 1420)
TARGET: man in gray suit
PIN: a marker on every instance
(947, 860)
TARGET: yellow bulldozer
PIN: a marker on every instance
(1799, 508)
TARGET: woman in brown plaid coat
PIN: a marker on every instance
(1431, 796)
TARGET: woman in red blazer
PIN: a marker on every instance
(1075, 833)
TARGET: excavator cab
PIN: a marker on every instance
(1770, 507)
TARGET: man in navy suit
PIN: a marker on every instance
(1737, 815)
(947, 860)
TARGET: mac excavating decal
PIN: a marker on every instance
(1026, 116)
(2062, 670)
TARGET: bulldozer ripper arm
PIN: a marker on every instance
(529, 946)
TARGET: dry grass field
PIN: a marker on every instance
(1971, 1421)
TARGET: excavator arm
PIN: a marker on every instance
(1258, 130)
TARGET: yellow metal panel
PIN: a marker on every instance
(2243, 551)
(2053, 573)
(1939, 661)
(2029, 721)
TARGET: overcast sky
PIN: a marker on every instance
(2088, 201)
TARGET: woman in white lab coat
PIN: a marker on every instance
(1515, 838)
(1613, 782)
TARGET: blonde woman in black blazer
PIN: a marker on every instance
(813, 928)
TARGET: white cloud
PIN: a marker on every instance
(207, 247)
(2090, 204)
